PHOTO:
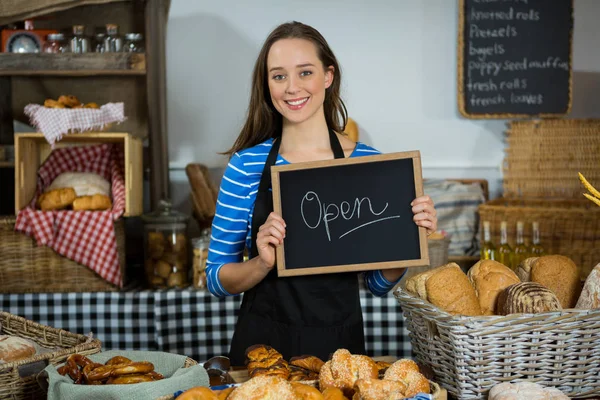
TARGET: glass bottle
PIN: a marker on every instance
(536, 249)
(521, 252)
(488, 250)
(56, 43)
(79, 43)
(505, 253)
(99, 42)
(134, 43)
(112, 41)
(166, 247)
(200, 256)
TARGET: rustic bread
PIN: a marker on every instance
(14, 348)
(525, 390)
(527, 298)
(560, 275)
(524, 269)
(590, 295)
(448, 288)
(489, 278)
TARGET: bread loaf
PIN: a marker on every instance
(56, 199)
(84, 183)
(489, 278)
(560, 275)
(527, 298)
(525, 390)
(95, 202)
(448, 288)
(14, 348)
(590, 295)
(524, 269)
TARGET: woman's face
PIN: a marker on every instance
(297, 79)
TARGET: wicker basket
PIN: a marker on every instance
(469, 355)
(28, 268)
(543, 157)
(567, 227)
(18, 379)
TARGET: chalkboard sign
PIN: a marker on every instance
(514, 58)
(350, 214)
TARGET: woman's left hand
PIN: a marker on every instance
(424, 213)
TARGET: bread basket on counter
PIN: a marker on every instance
(469, 355)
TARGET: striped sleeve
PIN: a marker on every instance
(374, 280)
(230, 224)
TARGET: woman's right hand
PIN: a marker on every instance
(270, 235)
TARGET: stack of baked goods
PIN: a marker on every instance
(541, 284)
(345, 377)
(68, 101)
(265, 360)
(77, 191)
(15, 348)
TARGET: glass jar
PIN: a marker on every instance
(79, 43)
(112, 41)
(166, 247)
(99, 42)
(56, 43)
(134, 43)
(200, 256)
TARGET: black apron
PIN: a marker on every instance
(313, 315)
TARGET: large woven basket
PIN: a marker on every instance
(567, 227)
(26, 267)
(543, 157)
(18, 379)
(469, 355)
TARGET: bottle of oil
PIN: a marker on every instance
(536, 249)
(488, 250)
(521, 251)
(505, 252)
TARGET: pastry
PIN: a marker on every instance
(376, 389)
(97, 202)
(344, 369)
(198, 393)
(56, 199)
(590, 295)
(264, 387)
(14, 348)
(527, 298)
(69, 100)
(51, 103)
(311, 363)
(489, 278)
(91, 105)
(446, 287)
(333, 393)
(407, 372)
(305, 392)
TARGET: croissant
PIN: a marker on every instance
(310, 363)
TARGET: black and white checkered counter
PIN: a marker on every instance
(189, 322)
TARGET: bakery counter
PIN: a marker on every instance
(188, 321)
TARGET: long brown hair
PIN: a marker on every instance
(263, 120)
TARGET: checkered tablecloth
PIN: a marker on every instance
(189, 322)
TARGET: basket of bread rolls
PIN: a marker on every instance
(26, 347)
(494, 325)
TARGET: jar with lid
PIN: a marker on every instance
(56, 43)
(134, 43)
(200, 255)
(79, 42)
(112, 41)
(166, 247)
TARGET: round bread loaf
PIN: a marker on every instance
(527, 298)
(489, 278)
(14, 348)
(560, 275)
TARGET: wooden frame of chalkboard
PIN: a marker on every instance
(539, 79)
(321, 203)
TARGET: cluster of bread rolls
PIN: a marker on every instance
(15, 348)
(116, 371)
(541, 284)
(78, 191)
(68, 101)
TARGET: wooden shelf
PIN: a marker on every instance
(69, 64)
(7, 164)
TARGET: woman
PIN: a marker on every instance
(295, 115)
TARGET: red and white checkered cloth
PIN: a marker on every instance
(87, 237)
(54, 123)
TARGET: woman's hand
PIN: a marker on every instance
(270, 235)
(425, 214)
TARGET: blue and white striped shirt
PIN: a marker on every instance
(231, 228)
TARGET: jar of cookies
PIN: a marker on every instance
(166, 247)
(200, 254)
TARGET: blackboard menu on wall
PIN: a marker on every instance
(514, 58)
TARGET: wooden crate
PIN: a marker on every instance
(31, 149)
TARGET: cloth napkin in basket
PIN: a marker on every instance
(86, 237)
(170, 365)
(54, 123)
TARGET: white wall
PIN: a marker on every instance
(398, 58)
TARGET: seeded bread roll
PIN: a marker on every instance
(448, 288)
(560, 275)
(489, 278)
(527, 298)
